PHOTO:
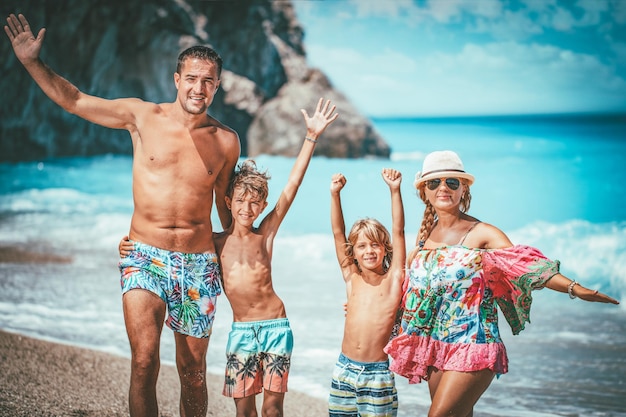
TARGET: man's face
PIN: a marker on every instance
(197, 84)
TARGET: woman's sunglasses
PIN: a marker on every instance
(451, 183)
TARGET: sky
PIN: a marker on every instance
(430, 58)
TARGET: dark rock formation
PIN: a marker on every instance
(114, 48)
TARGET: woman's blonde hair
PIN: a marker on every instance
(430, 215)
(374, 231)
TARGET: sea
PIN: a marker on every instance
(557, 183)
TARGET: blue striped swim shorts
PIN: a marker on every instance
(364, 389)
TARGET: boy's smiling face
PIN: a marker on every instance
(368, 254)
(245, 206)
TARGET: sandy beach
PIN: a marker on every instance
(43, 379)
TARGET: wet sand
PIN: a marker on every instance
(43, 379)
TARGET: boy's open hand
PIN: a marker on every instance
(323, 116)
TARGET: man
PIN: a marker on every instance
(182, 156)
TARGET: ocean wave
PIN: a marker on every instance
(308, 279)
(591, 253)
(407, 156)
(62, 201)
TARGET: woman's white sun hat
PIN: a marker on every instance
(442, 164)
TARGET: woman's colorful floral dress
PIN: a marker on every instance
(450, 318)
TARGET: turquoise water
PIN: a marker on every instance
(558, 184)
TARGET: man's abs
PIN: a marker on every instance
(175, 218)
(189, 239)
(173, 208)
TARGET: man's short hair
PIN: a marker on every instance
(200, 52)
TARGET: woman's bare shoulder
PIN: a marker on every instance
(487, 236)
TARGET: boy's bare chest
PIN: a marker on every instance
(244, 253)
(364, 290)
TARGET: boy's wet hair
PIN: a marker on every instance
(374, 231)
(250, 179)
(200, 52)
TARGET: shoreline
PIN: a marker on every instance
(50, 379)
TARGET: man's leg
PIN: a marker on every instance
(191, 363)
(144, 313)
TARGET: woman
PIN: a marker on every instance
(460, 270)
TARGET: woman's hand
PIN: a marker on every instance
(591, 295)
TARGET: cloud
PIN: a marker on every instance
(476, 57)
(455, 10)
(618, 11)
(523, 18)
(495, 78)
(392, 9)
(593, 11)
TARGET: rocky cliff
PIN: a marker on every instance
(115, 48)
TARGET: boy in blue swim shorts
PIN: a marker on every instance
(260, 342)
(187, 283)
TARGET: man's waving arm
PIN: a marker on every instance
(117, 114)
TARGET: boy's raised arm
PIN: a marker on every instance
(393, 178)
(338, 224)
(324, 115)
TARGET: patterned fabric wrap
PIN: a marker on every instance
(450, 318)
(188, 283)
